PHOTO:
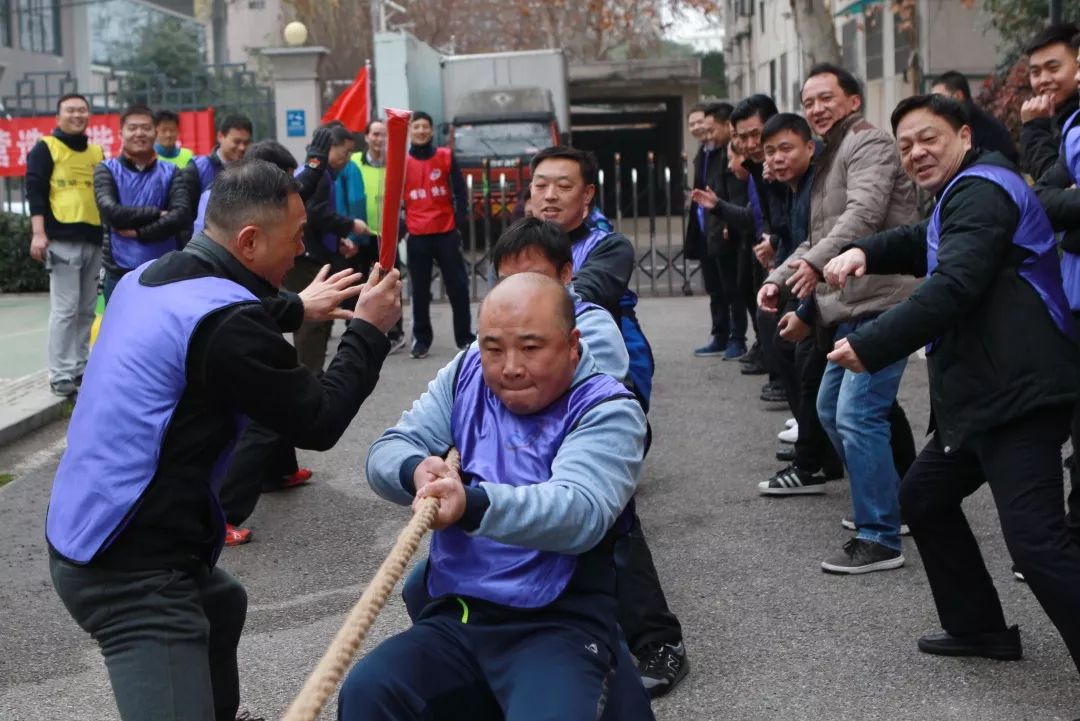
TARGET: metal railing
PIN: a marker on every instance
(644, 211)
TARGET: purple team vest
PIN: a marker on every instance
(206, 171)
(1070, 152)
(134, 189)
(498, 446)
(582, 249)
(133, 383)
(1041, 268)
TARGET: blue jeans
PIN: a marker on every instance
(854, 411)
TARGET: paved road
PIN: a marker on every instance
(24, 332)
(770, 636)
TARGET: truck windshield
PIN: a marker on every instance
(501, 139)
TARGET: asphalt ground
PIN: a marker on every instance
(769, 635)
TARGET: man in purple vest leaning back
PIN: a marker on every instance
(187, 353)
(1002, 357)
(521, 571)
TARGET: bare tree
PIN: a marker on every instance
(343, 26)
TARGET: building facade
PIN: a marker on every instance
(764, 52)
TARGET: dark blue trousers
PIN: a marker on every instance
(454, 665)
(627, 698)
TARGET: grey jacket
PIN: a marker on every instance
(859, 189)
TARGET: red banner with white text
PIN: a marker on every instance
(18, 136)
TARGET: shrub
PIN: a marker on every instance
(19, 273)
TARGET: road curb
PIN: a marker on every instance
(27, 404)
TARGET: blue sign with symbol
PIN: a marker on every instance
(295, 123)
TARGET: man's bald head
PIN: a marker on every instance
(529, 345)
(531, 287)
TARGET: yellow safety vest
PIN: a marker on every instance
(71, 187)
(182, 158)
(374, 189)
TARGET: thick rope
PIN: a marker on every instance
(322, 682)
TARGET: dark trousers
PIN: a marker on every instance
(260, 461)
(312, 337)
(643, 610)
(169, 637)
(1021, 461)
(449, 666)
(112, 277)
(366, 257)
(749, 277)
(813, 449)
(726, 306)
(445, 250)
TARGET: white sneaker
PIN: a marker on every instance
(790, 423)
(789, 435)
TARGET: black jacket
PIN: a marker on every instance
(999, 354)
(147, 221)
(238, 362)
(738, 215)
(1040, 139)
(605, 275)
(39, 167)
(1061, 201)
(322, 218)
(990, 134)
(708, 174)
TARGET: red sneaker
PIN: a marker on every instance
(236, 536)
(302, 476)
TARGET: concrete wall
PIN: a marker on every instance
(249, 28)
(16, 62)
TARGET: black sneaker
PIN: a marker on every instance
(662, 666)
(419, 351)
(396, 344)
(755, 367)
(862, 556)
(1001, 645)
(792, 481)
(467, 343)
(774, 393)
(754, 354)
(64, 389)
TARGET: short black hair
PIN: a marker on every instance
(71, 96)
(339, 134)
(955, 112)
(1068, 34)
(786, 121)
(586, 161)
(135, 110)
(547, 237)
(367, 128)
(760, 105)
(272, 152)
(166, 116)
(847, 81)
(697, 108)
(720, 111)
(235, 121)
(421, 115)
(956, 82)
(244, 193)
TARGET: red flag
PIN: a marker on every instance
(397, 131)
(351, 107)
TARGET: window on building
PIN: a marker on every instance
(849, 46)
(772, 78)
(875, 48)
(5, 23)
(39, 26)
(761, 15)
(901, 46)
